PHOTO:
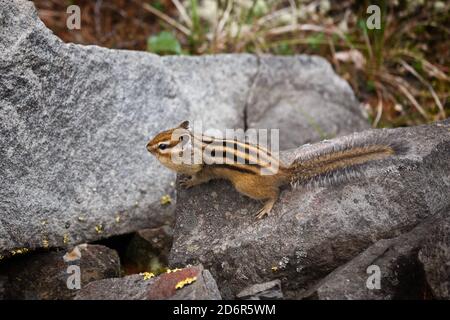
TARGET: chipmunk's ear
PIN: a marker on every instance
(184, 125)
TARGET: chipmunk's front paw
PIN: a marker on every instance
(187, 182)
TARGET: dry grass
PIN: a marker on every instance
(400, 72)
(119, 24)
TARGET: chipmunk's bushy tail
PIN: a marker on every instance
(342, 161)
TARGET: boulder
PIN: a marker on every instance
(75, 120)
(312, 231)
(191, 283)
(50, 275)
(389, 269)
(305, 104)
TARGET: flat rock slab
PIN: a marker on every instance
(313, 231)
(75, 120)
(201, 286)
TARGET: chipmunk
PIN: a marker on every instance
(245, 170)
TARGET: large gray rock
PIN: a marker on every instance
(74, 122)
(49, 275)
(304, 99)
(396, 264)
(313, 231)
(165, 286)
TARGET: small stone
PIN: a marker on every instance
(73, 255)
(262, 291)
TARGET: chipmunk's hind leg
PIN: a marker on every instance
(267, 208)
(258, 188)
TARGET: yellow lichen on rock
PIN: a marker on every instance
(172, 270)
(147, 275)
(99, 228)
(166, 199)
(185, 282)
(19, 251)
(66, 238)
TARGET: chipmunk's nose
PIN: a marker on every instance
(149, 147)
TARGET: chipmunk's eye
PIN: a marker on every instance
(162, 146)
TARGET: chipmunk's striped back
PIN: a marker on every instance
(235, 155)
